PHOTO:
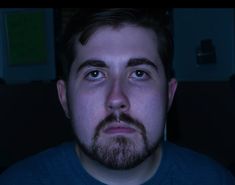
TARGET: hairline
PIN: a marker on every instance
(85, 33)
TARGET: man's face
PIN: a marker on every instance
(117, 96)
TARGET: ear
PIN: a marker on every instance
(172, 85)
(61, 90)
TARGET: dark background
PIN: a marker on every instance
(202, 116)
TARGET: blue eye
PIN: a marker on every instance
(94, 75)
(139, 75)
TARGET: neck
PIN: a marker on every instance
(136, 175)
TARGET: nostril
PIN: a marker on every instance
(122, 106)
(117, 106)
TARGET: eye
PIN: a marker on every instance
(94, 75)
(139, 75)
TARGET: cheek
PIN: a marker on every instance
(86, 113)
(150, 108)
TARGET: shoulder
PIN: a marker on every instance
(187, 164)
(187, 156)
(33, 169)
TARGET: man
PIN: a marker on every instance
(117, 88)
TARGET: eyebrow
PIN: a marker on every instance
(92, 63)
(131, 63)
(141, 61)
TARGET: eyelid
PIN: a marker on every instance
(89, 69)
(135, 62)
(145, 68)
(92, 63)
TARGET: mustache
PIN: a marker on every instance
(122, 117)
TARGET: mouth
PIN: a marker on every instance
(119, 129)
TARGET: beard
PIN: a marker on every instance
(119, 152)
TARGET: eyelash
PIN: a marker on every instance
(133, 75)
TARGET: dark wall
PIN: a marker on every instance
(203, 118)
(31, 120)
(203, 114)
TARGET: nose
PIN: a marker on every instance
(117, 100)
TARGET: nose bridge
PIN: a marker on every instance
(117, 99)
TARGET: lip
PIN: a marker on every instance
(119, 130)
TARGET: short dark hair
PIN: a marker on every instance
(86, 21)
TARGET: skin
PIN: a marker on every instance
(114, 84)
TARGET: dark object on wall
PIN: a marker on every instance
(206, 52)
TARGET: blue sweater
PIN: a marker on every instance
(61, 166)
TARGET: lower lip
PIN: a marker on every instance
(117, 130)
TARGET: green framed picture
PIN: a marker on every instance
(26, 38)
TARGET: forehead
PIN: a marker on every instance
(119, 43)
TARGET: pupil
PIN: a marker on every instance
(94, 73)
(139, 73)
